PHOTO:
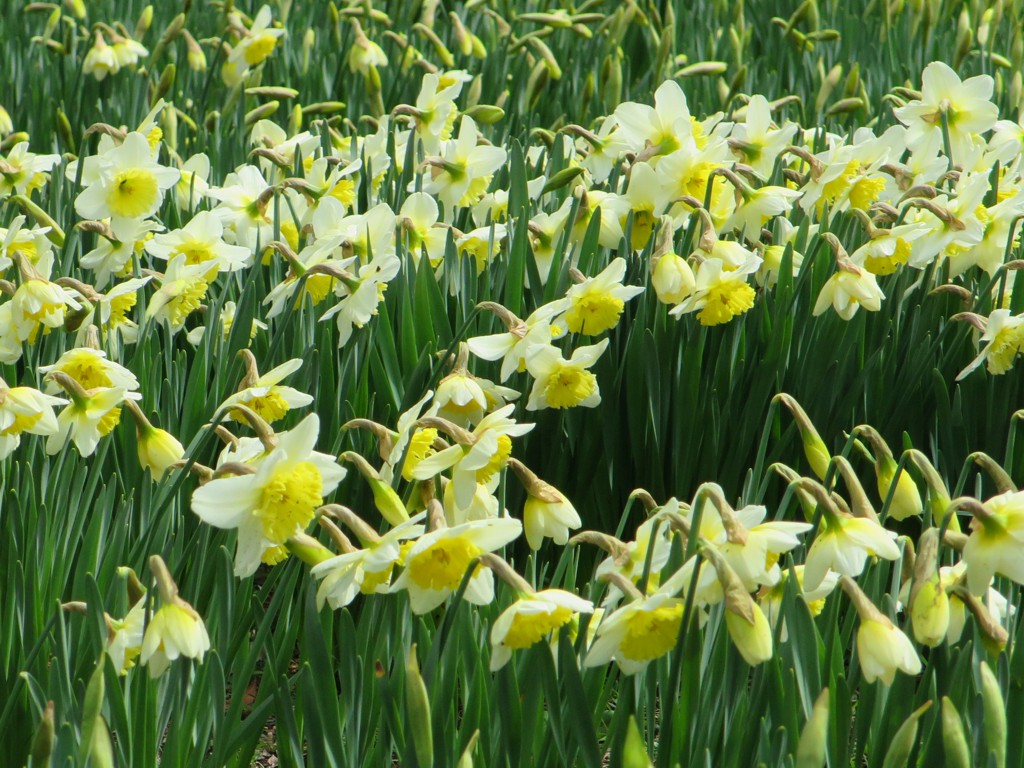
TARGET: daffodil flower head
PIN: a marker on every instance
(90, 415)
(275, 501)
(437, 562)
(264, 393)
(130, 184)
(91, 368)
(175, 630)
(596, 303)
(1004, 333)
(994, 546)
(182, 290)
(637, 633)
(561, 383)
(721, 293)
(849, 289)
(843, 544)
(531, 618)
(965, 107)
(24, 410)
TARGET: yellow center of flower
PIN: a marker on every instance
(420, 446)
(725, 301)
(154, 136)
(477, 188)
(133, 194)
(26, 248)
(317, 287)
(289, 499)
(497, 461)
(593, 313)
(528, 628)
(187, 302)
(1002, 351)
(833, 189)
(443, 564)
(865, 192)
(569, 386)
(120, 306)
(109, 421)
(886, 265)
(345, 191)
(479, 249)
(650, 634)
(261, 47)
(196, 252)
(274, 555)
(269, 407)
(372, 580)
(88, 370)
(643, 225)
(22, 422)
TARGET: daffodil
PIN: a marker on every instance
(276, 501)
(637, 633)
(437, 562)
(201, 242)
(755, 142)
(477, 457)
(530, 619)
(116, 252)
(962, 108)
(129, 183)
(561, 383)
(90, 415)
(182, 289)
(1004, 333)
(462, 171)
(843, 545)
(256, 44)
(24, 410)
(513, 346)
(91, 368)
(720, 293)
(22, 171)
(364, 571)
(175, 630)
(849, 289)
(596, 304)
(996, 542)
(882, 649)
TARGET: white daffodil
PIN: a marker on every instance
(530, 619)
(561, 383)
(437, 562)
(24, 410)
(201, 242)
(129, 184)
(595, 305)
(275, 502)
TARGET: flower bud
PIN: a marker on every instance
(902, 743)
(815, 449)
(929, 603)
(954, 741)
(672, 279)
(811, 749)
(994, 718)
(385, 498)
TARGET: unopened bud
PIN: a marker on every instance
(954, 741)
(994, 721)
(385, 498)
(815, 449)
